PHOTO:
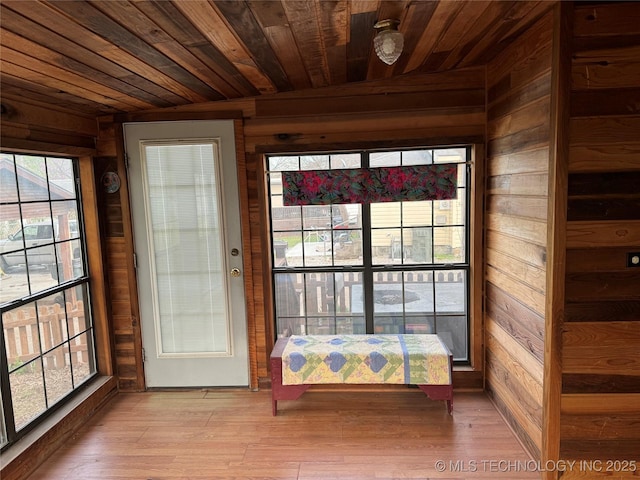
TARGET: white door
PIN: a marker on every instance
(186, 222)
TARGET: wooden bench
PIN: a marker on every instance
(290, 379)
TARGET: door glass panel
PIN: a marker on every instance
(186, 248)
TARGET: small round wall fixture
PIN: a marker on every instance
(110, 182)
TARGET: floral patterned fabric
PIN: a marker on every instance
(365, 359)
(370, 185)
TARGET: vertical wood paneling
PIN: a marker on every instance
(96, 265)
(115, 222)
(518, 119)
(556, 239)
(261, 259)
(247, 257)
(600, 343)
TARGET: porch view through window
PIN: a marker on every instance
(391, 267)
(47, 334)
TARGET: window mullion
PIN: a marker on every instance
(367, 260)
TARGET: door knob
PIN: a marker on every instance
(235, 272)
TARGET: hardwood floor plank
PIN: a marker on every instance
(231, 434)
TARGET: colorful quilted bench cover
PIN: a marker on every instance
(366, 359)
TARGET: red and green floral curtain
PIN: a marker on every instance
(370, 185)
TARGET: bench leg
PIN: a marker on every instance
(440, 392)
(280, 391)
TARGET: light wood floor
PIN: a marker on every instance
(324, 435)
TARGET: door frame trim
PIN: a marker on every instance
(135, 382)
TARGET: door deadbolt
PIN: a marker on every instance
(235, 272)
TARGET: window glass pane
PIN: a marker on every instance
(61, 178)
(451, 310)
(8, 182)
(408, 308)
(316, 217)
(321, 326)
(388, 302)
(286, 218)
(58, 379)
(318, 248)
(288, 288)
(351, 325)
(77, 307)
(287, 249)
(386, 214)
(346, 160)
(451, 212)
(462, 177)
(65, 223)
(384, 159)
(275, 187)
(32, 178)
(314, 162)
(27, 392)
(41, 263)
(22, 337)
(418, 244)
(417, 157)
(82, 358)
(449, 245)
(52, 325)
(284, 163)
(419, 317)
(415, 214)
(37, 223)
(386, 246)
(347, 247)
(450, 155)
(70, 265)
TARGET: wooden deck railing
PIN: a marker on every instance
(28, 335)
(326, 292)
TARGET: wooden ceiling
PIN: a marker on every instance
(108, 56)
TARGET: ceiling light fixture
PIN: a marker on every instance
(389, 41)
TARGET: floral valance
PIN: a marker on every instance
(370, 185)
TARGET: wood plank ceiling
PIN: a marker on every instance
(108, 56)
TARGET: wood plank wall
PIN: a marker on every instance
(518, 135)
(30, 125)
(121, 293)
(435, 109)
(600, 412)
